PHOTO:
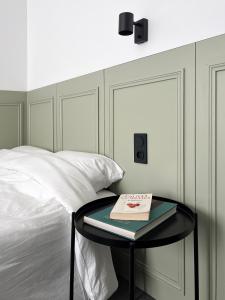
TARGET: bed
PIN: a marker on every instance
(38, 192)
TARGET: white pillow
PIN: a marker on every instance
(104, 194)
(30, 149)
(99, 169)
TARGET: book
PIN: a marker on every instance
(132, 207)
(133, 230)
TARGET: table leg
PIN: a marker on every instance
(196, 267)
(72, 255)
(131, 275)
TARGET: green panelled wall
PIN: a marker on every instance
(177, 98)
(101, 111)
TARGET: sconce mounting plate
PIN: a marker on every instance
(141, 31)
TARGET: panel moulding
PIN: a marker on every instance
(20, 118)
(212, 201)
(39, 102)
(74, 96)
(179, 77)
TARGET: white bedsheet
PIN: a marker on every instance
(37, 194)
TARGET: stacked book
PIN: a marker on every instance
(132, 216)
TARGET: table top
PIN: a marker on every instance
(172, 230)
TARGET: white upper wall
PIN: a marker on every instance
(68, 38)
(13, 48)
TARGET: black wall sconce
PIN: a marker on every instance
(126, 23)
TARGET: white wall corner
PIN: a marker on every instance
(13, 54)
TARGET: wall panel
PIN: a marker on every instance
(80, 118)
(41, 117)
(156, 95)
(12, 120)
(210, 160)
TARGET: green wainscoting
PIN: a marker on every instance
(68, 115)
(178, 98)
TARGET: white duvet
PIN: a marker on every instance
(38, 192)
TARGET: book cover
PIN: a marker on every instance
(131, 229)
(132, 207)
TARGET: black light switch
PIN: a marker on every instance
(140, 148)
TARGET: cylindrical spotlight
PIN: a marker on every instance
(126, 22)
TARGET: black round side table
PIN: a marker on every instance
(172, 230)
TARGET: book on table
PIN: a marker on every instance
(160, 212)
(132, 207)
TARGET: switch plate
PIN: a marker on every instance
(140, 148)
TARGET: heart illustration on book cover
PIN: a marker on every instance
(132, 205)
